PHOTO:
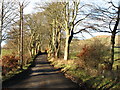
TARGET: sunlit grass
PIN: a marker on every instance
(17, 71)
(6, 52)
(74, 68)
(73, 55)
(117, 56)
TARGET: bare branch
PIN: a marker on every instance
(110, 25)
(84, 29)
(104, 31)
(112, 4)
(81, 19)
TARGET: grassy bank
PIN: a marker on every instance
(76, 71)
(11, 63)
(6, 52)
(12, 73)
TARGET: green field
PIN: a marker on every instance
(6, 52)
(117, 53)
(76, 47)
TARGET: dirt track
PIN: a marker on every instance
(43, 75)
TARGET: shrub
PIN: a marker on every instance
(94, 53)
(9, 63)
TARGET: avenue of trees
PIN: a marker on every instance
(53, 27)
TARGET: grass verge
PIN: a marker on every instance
(75, 70)
(17, 71)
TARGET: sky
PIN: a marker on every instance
(32, 2)
(30, 9)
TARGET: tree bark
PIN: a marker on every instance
(21, 36)
(67, 46)
(0, 50)
(57, 52)
(113, 38)
(1, 26)
(112, 50)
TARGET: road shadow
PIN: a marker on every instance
(26, 74)
(43, 75)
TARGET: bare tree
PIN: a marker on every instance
(38, 32)
(21, 33)
(53, 13)
(71, 20)
(56, 18)
(7, 16)
(22, 5)
(108, 21)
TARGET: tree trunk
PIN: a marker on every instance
(57, 50)
(21, 36)
(112, 50)
(0, 50)
(67, 46)
(1, 26)
(0, 43)
(32, 52)
(39, 48)
(53, 38)
(113, 38)
(29, 50)
(57, 41)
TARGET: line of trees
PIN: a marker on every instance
(55, 26)
(63, 18)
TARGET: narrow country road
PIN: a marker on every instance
(43, 75)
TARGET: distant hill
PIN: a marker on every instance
(77, 44)
(103, 38)
(107, 38)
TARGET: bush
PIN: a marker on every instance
(94, 53)
(9, 63)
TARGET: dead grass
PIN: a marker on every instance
(79, 73)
